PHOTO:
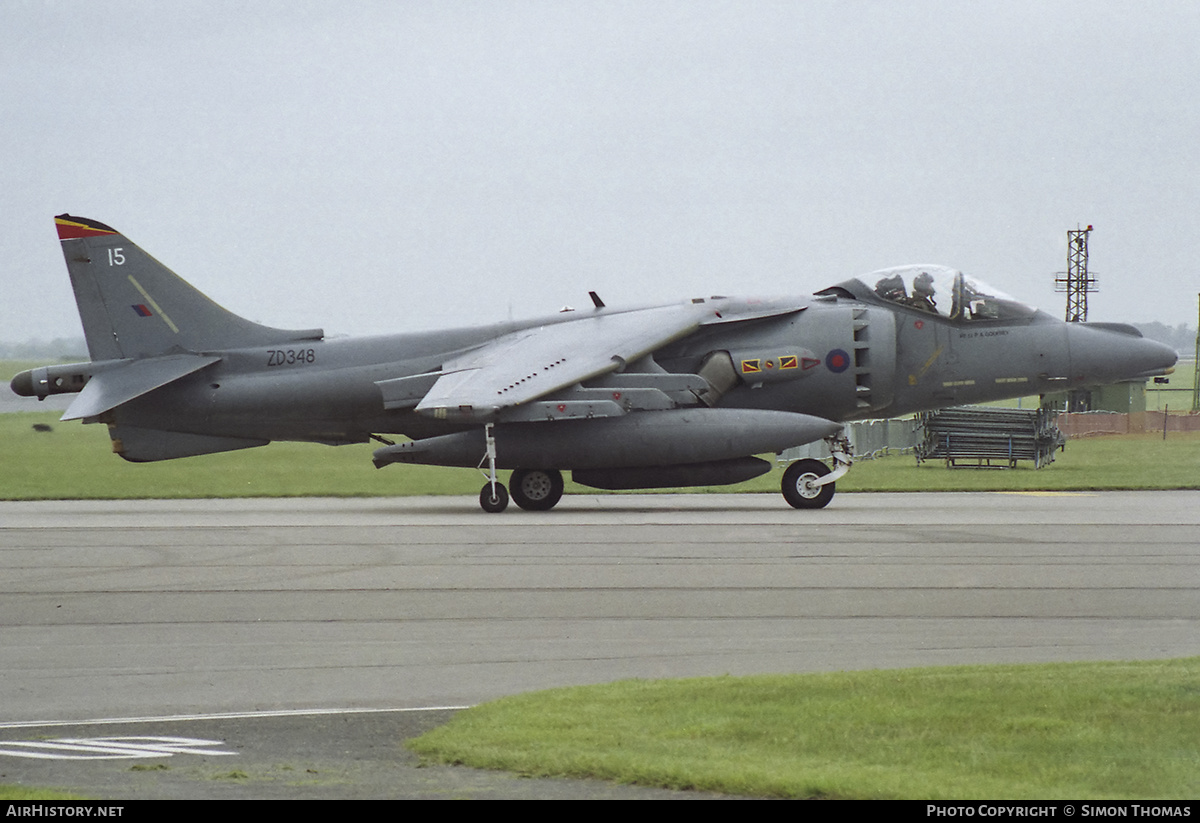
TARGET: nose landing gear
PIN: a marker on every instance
(809, 484)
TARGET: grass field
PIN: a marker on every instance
(1176, 394)
(74, 461)
(1073, 730)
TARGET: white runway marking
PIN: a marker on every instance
(110, 748)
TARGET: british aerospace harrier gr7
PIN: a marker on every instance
(685, 394)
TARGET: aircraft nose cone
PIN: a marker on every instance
(1147, 358)
(1164, 357)
(1112, 353)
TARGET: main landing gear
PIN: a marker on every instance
(808, 484)
(535, 490)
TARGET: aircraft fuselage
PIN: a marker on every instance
(625, 398)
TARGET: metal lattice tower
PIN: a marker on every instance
(1076, 281)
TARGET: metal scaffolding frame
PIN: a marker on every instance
(1076, 281)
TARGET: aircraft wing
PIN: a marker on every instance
(528, 364)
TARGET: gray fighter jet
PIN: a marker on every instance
(660, 396)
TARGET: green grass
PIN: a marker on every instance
(36, 793)
(1176, 394)
(1132, 461)
(1077, 730)
(74, 461)
(9, 368)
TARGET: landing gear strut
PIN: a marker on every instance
(809, 484)
(493, 497)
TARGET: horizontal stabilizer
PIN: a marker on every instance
(110, 388)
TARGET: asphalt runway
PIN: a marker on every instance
(151, 609)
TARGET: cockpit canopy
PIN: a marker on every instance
(943, 291)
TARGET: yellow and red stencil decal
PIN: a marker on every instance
(72, 228)
(784, 362)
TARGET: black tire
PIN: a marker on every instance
(493, 504)
(797, 486)
(536, 490)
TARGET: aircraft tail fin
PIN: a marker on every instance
(132, 306)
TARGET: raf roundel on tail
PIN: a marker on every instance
(684, 394)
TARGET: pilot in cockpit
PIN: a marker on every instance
(922, 293)
(892, 288)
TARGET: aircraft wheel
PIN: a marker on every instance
(799, 485)
(536, 490)
(493, 504)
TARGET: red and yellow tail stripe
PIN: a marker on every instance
(72, 228)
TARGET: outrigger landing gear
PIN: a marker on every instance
(809, 484)
(493, 497)
(493, 500)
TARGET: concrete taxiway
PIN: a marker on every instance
(154, 608)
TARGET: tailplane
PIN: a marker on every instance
(132, 306)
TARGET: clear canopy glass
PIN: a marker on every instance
(946, 292)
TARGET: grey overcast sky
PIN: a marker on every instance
(385, 166)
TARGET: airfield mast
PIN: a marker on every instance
(1076, 281)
